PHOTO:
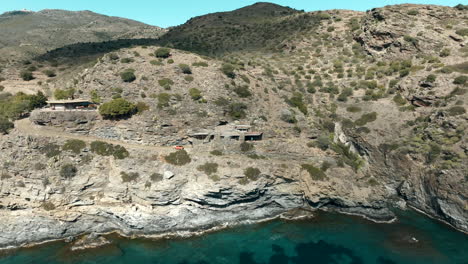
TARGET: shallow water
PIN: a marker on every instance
(327, 238)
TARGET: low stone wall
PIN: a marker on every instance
(66, 119)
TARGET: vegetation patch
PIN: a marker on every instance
(178, 158)
(129, 177)
(128, 75)
(347, 156)
(162, 53)
(216, 152)
(185, 69)
(456, 110)
(251, 174)
(74, 145)
(228, 70)
(105, 149)
(366, 118)
(246, 147)
(315, 173)
(51, 150)
(117, 108)
(208, 168)
(166, 83)
(68, 171)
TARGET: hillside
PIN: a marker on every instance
(360, 113)
(25, 34)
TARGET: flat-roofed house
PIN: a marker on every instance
(78, 104)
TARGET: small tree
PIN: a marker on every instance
(195, 94)
(185, 69)
(68, 171)
(162, 53)
(26, 75)
(74, 145)
(128, 76)
(117, 108)
(228, 70)
(64, 94)
(49, 73)
(178, 158)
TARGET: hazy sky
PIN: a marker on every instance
(174, 12)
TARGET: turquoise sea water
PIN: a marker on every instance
(327, 238)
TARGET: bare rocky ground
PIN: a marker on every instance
(393, 140)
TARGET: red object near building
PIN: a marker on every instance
(179, 147)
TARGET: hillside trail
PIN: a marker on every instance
(26, 127)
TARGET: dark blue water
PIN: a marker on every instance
(327, 238)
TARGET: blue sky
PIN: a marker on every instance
(174, 12)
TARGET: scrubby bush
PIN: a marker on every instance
(163, 100)
(413, 12)
(461, 80)
(366, 118)
(68, 171)
(445, 53)
(105, 149)
(64, 94)
(117, 108)
(353, 109)
(162, 53)
(297, 100)
(209, 168)
(216, 152)
(185, 69)
(51, 150)
(246, 147)
(347, 156)
(48, 206)
(200, 64)
(156, 177)
(456, 110)
(252, 173)
(399, 100)
(141, 107)
(166, 83)
(462, 32)
(195, 94)
(126, 60)
(237, 110)
(323, 142)
(343, 97)
(74, 145)
(228, 70)
(49, 73)
(5, 125)
(26, 75)
(431, 78)
(243, 91)
(128, 75)
(315, 173)
(178, 158)
(189, 78)
(129, 177)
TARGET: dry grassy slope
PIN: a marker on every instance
(36, 32)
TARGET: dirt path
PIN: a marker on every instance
(25, 127)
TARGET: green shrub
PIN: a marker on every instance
(126, 60)
(445, 53)
(163, 100)
(243, 91)
(461, 7)
(200, 64)
(353, 109)
(366, 118)
(185, 69)
(399, 100)
(343, 97)
(64, 94)
(170, 61)
(462, 80)
(26, 75)
(105, 149)
(228, 70)
(315, 173)
(5, 125)
(156, 62)
(74, 145)
(413, 12)
(237, 110)
(195, 94)
(129, 177)
(297, 101)
(178, 158)
(410, 39)
(456, 110)
(431, 78)
(49, 73)
(117, 108)
(189, 78)
(252, 173)
(166, 83)
(141, 107)
(113, 56)
(323, 142)
(162, 53)
(245, 147)
(68, 171)
(347, 156)
(128, 75)
(462, 32)
(216, 152)
(156, 177)
(51, 150)
(208, 168)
